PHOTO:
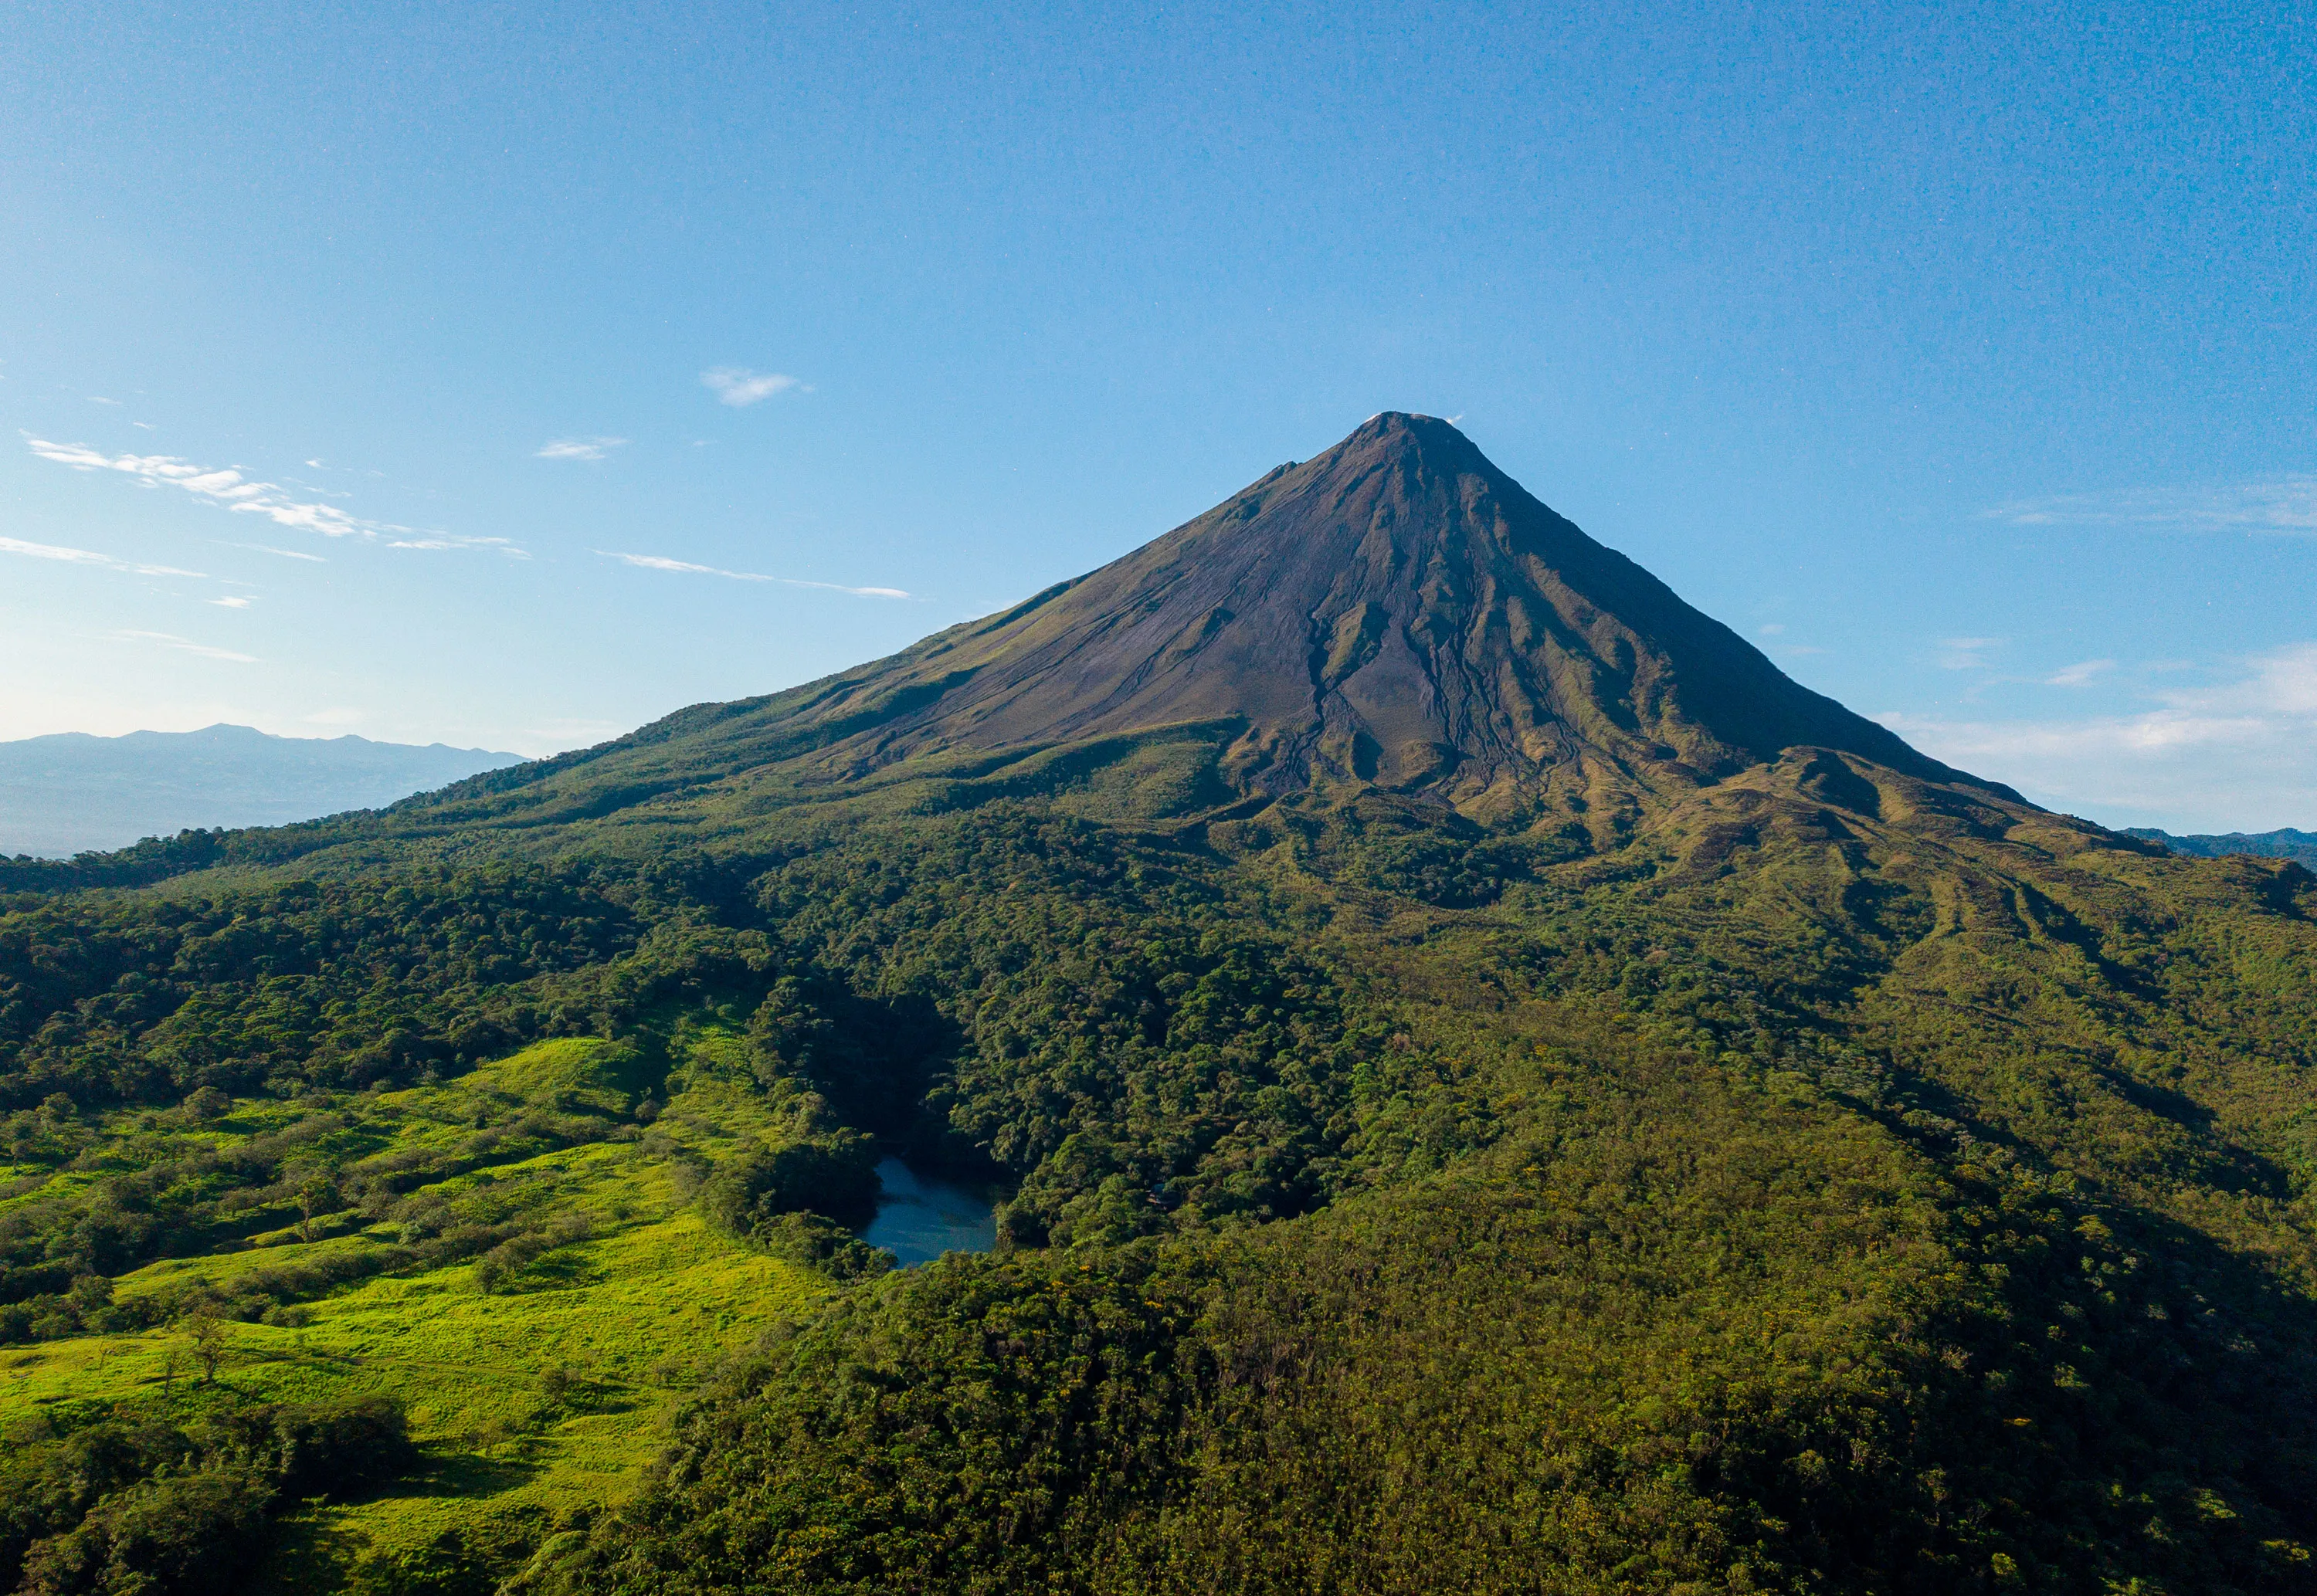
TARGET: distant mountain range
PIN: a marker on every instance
(65, 794)
(2300, 846)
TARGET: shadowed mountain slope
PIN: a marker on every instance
(1396, 612)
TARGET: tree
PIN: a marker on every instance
(207, 1333)
(308, 1179)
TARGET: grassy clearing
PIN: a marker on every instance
(538, 1398)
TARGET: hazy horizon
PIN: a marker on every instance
(64, 793)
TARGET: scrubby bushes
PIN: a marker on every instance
(509, 1258)
(506, 1249)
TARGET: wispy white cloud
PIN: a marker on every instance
(1967, 654)
(284, 553)
(1770, 628)
(233, 601)
(2239, 756)
(226, 486)
(738, 386)
(580, 448)
(2283, 506)
(655, 562)
(169, 640)
(2083, 674)
(87, 556)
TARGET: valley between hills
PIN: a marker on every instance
(1486, 1085)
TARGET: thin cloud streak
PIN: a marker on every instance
(655, 562)
(2283, 506)
(170, 640)
(226, 486)
(2080, 675)
(1967, 654)
(738, 386)
(284, 553)
(87, 556)
(580, 448)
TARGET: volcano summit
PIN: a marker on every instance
(1396, 611)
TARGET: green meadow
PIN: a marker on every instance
(535, 1394)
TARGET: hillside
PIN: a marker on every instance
(72, 793)
(1493, 1088)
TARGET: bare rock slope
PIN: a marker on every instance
(1396, 612)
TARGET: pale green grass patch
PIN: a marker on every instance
(546, 1395)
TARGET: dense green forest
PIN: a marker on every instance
(1768, 1220)
(1697, 1158)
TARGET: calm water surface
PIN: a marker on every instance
(921, 1217)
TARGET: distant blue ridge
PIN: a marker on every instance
(71, 793)
(2300, 846)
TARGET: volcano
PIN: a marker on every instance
(1396, 613)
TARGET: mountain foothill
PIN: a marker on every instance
(1486, 1083)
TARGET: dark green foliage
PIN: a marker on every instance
(1779, 1204)
(832, 1175)
(1681, 1326)
(1900, 1305)
(332, 983)
(1129, 1043)
(807, 1238)
(122, 1506)
(974, 1405)
(155, 859)
(865, 1062)
(191, 1533)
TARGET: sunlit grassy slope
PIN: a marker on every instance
(532, 1401)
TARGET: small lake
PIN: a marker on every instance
(921, 1217)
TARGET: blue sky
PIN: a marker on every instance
(512, 375)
